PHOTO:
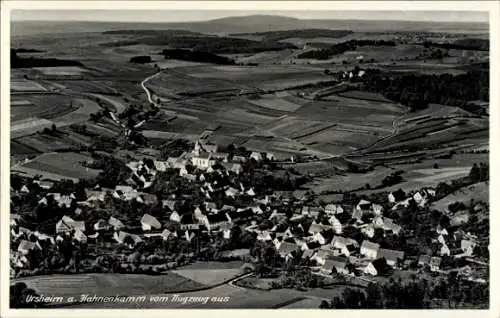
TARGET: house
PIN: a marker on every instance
(101, 225)
(62, 200)
(93, 195)
(287, 249)
(24, 189)
(346, 246)
(337, 226)
(377, 209)
(376, 267)
(364, 206)
(14, 219)
(257, 156)
(149, 222)
(231, 192)
(233, 167)
(468, 246)
(277, 242)
(390, 256)
(121, 237)
(405, 203)
(418, 197)
(435, 263)
(369, 249)
(80, 236)
(397, 196)
(165, 234)
(220, 156)
(25, 247)
(170, 204)
(441, 230)
(67, 224)
(250, 192)
(44, 237)
(115, 223)
(160, 165)
(317, 228)
(175, 217)
(312, 211)
(264, 236)
(215, 220)
(307, 254)
(321, 256)
(445, 250)
(44, 184)
(240, 159)
(331, 209)
(368, 230)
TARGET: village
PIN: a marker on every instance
(215, 213)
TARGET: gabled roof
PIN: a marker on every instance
(115, 222)
(151, 221)
(390, 255)
(370, 245)
(286, 248)
(344, 241)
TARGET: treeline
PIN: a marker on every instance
(452, 292)
(23, 50)
(304, 33)
(141, 59)
(417, 91)
(339, 48)
(27, 62)
(462, 44)
(216, 45)
(196, 56)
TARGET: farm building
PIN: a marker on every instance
(369, 249)
(149, 222)
(115, 223)
(377, 267)
(333, 209)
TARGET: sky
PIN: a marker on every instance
(201, 15)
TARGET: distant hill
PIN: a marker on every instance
(246, 24)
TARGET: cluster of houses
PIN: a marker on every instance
(314, 233)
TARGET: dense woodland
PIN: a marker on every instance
(141, 59)
(196, 56)
(301, 33)
(417, 91)
(463, 44)
(339, 48)
(27, 62)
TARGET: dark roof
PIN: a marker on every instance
(399, 195)
(217, 217)
(188, 218)
(390, 255)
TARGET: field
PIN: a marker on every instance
(39, 105)
(476, 192)
(26, 86)
(210, 273)
(60, 70)
(107, 284)
(58, 166)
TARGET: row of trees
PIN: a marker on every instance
(415, 294)
(417, 91)
(342, 47)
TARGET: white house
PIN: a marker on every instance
(445, 250)
(149, 222)
(337, 226)
(369, 249)
(333, 209)
(257, 156)
(115, 223)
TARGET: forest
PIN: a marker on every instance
(196, 56)
(340, 48)
(463, 44)
(417, 91)
(306, 33)
(27, 62)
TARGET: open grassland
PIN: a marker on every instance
(238, 298)
(60, 70)
(45, 106)
(210, 273)
(108, 284)
(26, 86)
(476, 192)
(67, 165)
